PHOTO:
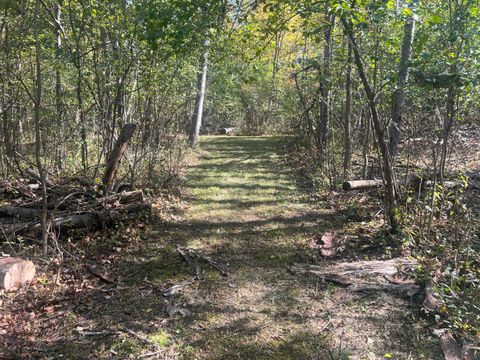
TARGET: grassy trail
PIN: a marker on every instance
(241, 207)
(245, 210)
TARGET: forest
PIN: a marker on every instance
(240, 179)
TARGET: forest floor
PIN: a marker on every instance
(243, 208)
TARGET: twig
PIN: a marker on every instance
(139, 336)
(179, 287)
(150, 354)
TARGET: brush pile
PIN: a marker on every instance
(73, 203)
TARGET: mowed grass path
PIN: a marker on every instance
(245, 210)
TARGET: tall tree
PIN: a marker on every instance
(324, 119)
(199, 101)
(37, 120)
(399, 94)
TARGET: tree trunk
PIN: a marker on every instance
(58, 97)
(202, 85)
(447, 127)
(324, 119)
(348, 108)
(388, 172)
(116, 155)
(399, 95)
(37, 105)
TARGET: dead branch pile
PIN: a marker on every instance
(73, 203)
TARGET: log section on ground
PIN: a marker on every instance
(364, 275)
(15, 272)
(362, 184)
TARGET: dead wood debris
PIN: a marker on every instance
(191, 257)
(175, 289)
(363, 276)
(73, 203)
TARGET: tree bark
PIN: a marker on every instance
(399, 95)
(347, 155)
(37, 105)
(324, 119)
(58, 96)
(116, 155)
(447, 127)
(202, 85)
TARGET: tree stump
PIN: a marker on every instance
(15, 273)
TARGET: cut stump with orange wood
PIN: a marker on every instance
(15, 273)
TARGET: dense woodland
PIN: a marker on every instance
(377, 103)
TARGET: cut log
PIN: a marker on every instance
(116, 154)
(329, 246)
(15, 272)
(228, 131)
(362, 184)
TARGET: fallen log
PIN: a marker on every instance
(74, 221)
(362, 184)
(357, 268)
(363, 275)
(18, 211)
(228, 131)
(412, 181)
(124, 198)
(88, 220)
(15, 272)
(400, 289)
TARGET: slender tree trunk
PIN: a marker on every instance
(37, 105)
(366, 140)
(388, 172)
(399, 95)
(202, 85)
(58, 98)
(348, 108)
(324, 119)
(447, 127)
